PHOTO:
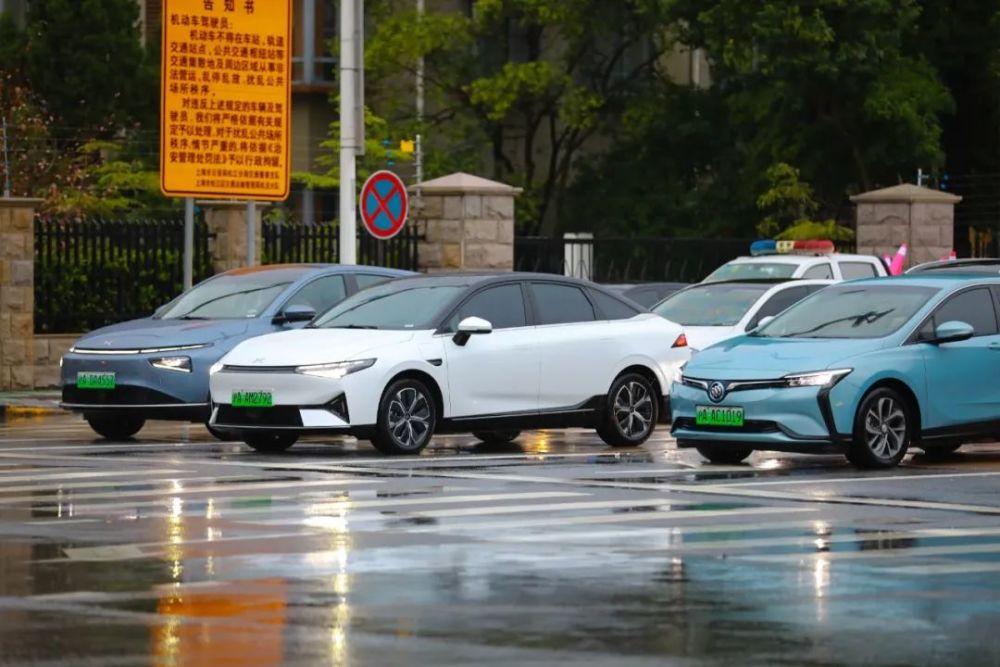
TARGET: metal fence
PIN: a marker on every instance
(90, 273)
(626, 260)
(288, 243)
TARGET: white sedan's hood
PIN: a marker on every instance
(313, 346)
(699, 338)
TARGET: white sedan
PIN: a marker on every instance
(713, 312)
(487, 354)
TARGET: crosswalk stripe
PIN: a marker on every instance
(965, 567)
(861, 479)
(86, 475)
(548, 507)
(907, 552)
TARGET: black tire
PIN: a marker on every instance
(270, 443)
(115, 427)
(724, 454)
(631, 411)
(220, 435)
(496, 437)
(883, 430)
(407, 415)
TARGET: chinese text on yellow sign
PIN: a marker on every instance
(224, 103)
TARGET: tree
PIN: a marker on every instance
(788, 206)
(833, 86)
(84, 58)
(528, 83)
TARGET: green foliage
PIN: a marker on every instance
(85, 59)
(833, 86)
(787, 205)
(524, 85)
(375, 157)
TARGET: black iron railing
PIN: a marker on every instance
(627, 260)
(289, 243)
(89, 273)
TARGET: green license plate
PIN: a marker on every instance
(707, 415)
(93, 380)
(252, 399)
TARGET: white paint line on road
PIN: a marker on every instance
(315, 507)
(877, 554)
(547, 507)
(588, 536)
(166, 494)
(814, 540)
(84, 475)
(862, 478)
(57, 485)
(557, 522)
(965, 567)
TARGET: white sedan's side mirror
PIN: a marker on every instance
(469, 327)
(764, 321)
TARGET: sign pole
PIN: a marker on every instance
(251, 232)
(188, 243)
(348, 133)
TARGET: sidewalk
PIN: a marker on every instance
(29, 403)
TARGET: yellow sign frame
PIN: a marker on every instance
(225, 99)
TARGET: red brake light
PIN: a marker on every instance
(681, 341)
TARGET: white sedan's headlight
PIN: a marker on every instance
(179, 364)
(337, 370)
(817, 379)
(216, 367)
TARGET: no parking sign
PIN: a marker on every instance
(384, 204)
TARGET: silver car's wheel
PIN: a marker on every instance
(406, 420)
(882, 430)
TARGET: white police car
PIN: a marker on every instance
(810, 260)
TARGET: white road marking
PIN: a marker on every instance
(85, 475)
(966, 567)
(682, 530)
(880, 478)
(172, 493)
(878, 554)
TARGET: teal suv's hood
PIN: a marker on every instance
(752, 358)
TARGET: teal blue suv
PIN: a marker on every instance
(867, 368)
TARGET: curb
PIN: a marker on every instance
(7, 411)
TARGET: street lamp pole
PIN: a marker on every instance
(350, 13)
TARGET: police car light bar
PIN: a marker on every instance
(770, 247)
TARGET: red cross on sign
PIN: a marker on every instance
(383, 204)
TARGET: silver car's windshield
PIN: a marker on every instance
(389, 307)
(850, 311)
(227, 296)
(711, 305)
(752, 271)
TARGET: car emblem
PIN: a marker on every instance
(717, 391)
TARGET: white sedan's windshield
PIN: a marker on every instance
(752, 271)
(389, 307)
(711, 305)
(850, 311)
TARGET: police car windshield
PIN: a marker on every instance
(752, 271)
(711, 305)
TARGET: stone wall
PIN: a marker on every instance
(924, 219)
(467, 223)
(49, 348)
(17, 293)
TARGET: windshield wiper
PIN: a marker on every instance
(192, 317)
(354, 326)
(857, 320)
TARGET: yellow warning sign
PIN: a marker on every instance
(224, 99)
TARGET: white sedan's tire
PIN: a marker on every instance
(407, 415)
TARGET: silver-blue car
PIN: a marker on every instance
(158, 367)
(866, 368)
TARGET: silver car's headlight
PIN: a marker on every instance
(817, 379)
(337, 370)
(179, 364)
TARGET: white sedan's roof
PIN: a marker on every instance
(799, 259)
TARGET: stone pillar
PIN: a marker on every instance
(467, 223)
(922, 218)
(227, 223)
(17, 293)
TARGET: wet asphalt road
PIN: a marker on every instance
(179, 550)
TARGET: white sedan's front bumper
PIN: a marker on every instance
(300, 402)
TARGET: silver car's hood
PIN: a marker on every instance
(150, 333)
(313, 346)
